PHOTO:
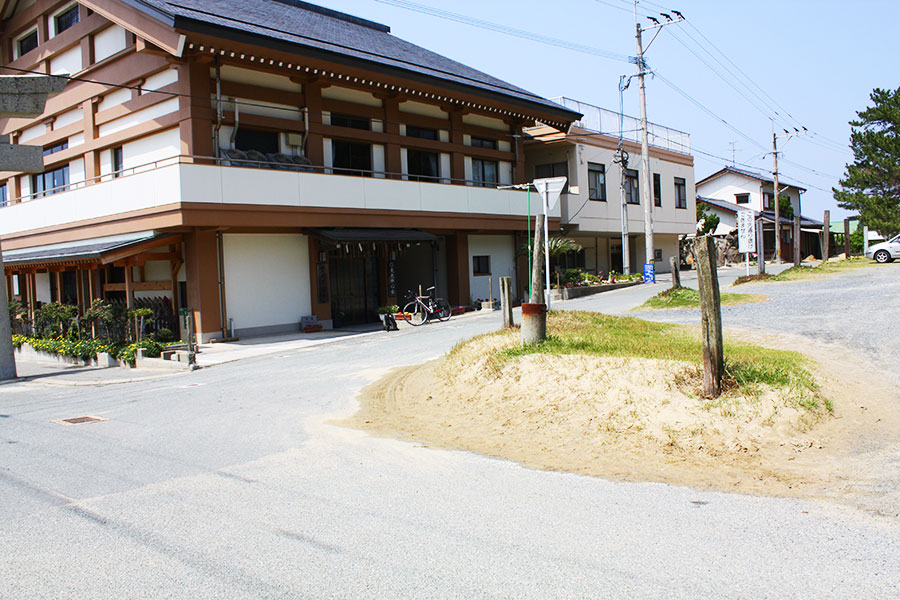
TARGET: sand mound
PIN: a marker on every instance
(626, 418)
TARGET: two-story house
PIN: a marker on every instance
(591, 208)
(258, 162)
(732, 189)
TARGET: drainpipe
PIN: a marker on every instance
(237, 121)
(218, 108)
(305, 130)
(223, 307)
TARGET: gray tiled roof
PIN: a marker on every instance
(320, 29)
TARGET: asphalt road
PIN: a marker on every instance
(229, 482)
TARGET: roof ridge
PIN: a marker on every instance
(335, 14)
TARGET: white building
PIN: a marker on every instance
(591, 210)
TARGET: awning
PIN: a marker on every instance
(87, 253)
(376, 235)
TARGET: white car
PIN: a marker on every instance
(885, 251)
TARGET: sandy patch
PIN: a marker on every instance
(636, 419)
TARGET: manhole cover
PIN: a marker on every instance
(80, 420)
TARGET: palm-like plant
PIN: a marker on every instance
(557, 246)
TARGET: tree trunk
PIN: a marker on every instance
(711, 316)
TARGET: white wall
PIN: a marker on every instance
(156, 270)
(42, 286)
(66, 63)
(605, 217)
(120, 96)
(76, 115)
(501, 249)
(141, 116)
(267, 280)
(145, 150)
(108, 42)
(159, 80)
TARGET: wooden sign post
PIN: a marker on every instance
(710, 315)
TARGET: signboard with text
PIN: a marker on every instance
(746, 232)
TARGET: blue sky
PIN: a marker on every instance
(817, 60)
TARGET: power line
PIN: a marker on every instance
(528, 35)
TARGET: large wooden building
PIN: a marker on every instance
(256, 161)
(262, 161)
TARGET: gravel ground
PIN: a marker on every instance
(229, 483)
(858, 310)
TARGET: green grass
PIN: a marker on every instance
(746, 366)
(688, 298)
(804, 272)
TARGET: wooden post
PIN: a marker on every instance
(506, 301)
(711, 315)
(760, 247)
(847, 238)
(537, 261)
(676, 275)
(129, 301)
(797, 258)
(826, 231)
(491, 291)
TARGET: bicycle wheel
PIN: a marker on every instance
(415, 313)
(442, 309)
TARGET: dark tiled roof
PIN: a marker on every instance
(731, 206)
(769, 215)
(764, 177)
(302, 24)
(81, 252)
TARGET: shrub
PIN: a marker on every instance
(164, 335)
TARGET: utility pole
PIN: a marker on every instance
(621, 159)
(775, 200)
(645, 155)
(776, 191)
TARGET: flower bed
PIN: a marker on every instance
(82, 351)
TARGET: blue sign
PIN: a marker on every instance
(649, 273)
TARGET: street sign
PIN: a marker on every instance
(649, 273)
(746, 232)
(550, 188)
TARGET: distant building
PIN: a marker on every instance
(731, 189)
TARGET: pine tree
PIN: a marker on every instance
(872, 183)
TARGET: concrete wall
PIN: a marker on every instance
(605, 217)
(501, 249)
(266, 282)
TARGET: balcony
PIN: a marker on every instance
(187, 179)
(601, 120)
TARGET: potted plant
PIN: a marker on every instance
(390, 309)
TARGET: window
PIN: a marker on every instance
(632, 189)
(421, 132)
(481, 265)
(66, 19)
(254, 139)
(742, 198)
(4, 198)
(560, 169)
(680, 193)
(597, 182)
(767, 201)
(56, 148)
(657, 255)
(484, 172)
(351, 158)
(352, 122)
(483, 143)
(118, 162)
(657, 190)
(50, 182)
(27, 43)
(421, 165)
